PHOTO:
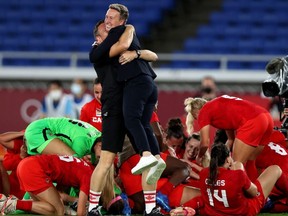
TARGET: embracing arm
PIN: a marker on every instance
(129, 56)
(148, 55)
(124, 42)
(100, 52)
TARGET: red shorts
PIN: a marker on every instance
(256, 204)
(32, 177)
(256, 131)
(132, 183)
(175, 196)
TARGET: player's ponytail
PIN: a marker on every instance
(192, 104)
(219, 154)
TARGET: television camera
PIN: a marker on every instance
(276, 85)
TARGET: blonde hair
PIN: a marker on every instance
(122, 9)
(192, 104)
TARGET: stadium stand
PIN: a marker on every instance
(247, 27)
(223, 27)
(61, 26)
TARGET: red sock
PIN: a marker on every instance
(25, 205)
(167, 188)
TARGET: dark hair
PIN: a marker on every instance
(219, 153)
(95, 30)
(55, 82)
(175, 128)
(116, 208)
(98, 139)
(220, 136)
(96, 81)
(195, 136)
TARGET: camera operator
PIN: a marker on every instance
(277, 86)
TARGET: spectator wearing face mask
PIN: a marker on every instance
(56, 103)
(208, 88)
(79, 95)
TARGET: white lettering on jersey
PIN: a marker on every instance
(68, 159)
(222, 199)
(277, 148)
(231, 97)
(97, 119)
(220, 182)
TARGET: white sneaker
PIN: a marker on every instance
(10, 205)
(143, 164)
(3, 199)
(155, 172)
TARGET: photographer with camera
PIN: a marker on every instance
(276, 86)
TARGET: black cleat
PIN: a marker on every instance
(155, 212)
(96, 211)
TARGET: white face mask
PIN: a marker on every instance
(76, 89)
(55, 94)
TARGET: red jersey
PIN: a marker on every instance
(278, 137)
(273, 154)
(179, 153)
(10, 162)
(46, 169)
(12, 156)
(228, 197)
(228, 113)
(91, 113)
(154, 117)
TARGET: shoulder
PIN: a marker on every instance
(118, 30)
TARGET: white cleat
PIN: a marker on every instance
(155, 172)
(143, 164)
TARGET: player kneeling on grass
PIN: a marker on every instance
(37, 175)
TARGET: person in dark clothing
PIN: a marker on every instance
(112, 98)
(139, 98)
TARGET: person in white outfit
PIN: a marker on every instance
(79, 95)
(56, 103)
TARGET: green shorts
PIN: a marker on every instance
(38, 136)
